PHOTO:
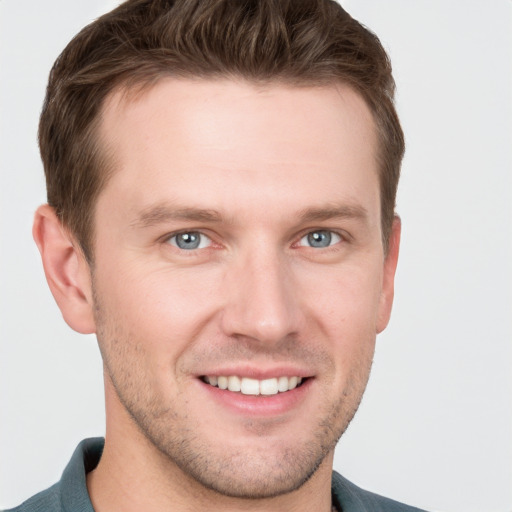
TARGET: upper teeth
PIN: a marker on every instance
(249, 386)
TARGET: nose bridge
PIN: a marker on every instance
(260, 302)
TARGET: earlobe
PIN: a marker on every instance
(388, 278)
(66, 270)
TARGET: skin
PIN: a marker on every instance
(253, 170)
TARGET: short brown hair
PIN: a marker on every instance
(301, 42)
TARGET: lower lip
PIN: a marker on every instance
(261, 405)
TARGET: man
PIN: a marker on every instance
(221, 185)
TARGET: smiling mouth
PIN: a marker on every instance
(254, 387)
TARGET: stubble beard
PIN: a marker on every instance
(229, 471)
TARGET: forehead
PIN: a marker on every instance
(224, 142)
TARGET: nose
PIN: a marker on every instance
(261, 301)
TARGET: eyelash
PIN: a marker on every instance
(339, 237)
(174, 236)
(330, 233)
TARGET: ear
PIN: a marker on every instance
(388, 276)
(66, 270)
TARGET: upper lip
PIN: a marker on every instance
(258, 373)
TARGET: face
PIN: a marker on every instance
(239, 278)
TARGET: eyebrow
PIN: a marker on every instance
(329, 212)
(161, 214)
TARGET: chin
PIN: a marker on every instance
(267, 468)
(254, 476)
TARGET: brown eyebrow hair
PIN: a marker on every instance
(333, 211)
(163, 213)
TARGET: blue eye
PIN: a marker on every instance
(190, 240)
(320, 239)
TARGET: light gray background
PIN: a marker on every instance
(435, 427)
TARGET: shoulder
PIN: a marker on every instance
(351, 498)
(47, 501)
(70, 493)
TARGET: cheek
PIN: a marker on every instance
(160, 309)
(345, 312)
(347, 298)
